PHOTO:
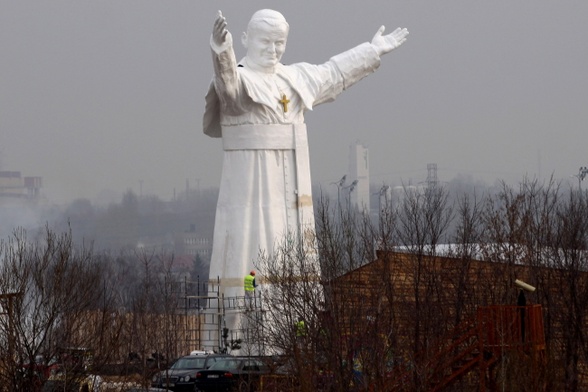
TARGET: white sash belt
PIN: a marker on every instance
(264, 136)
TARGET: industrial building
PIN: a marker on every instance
(15, 187)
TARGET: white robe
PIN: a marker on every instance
(265, 189)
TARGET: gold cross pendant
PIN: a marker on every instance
(284, 101)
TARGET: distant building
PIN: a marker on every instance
(394, 197)
(192, 243)
(359, 175)
(15, 187)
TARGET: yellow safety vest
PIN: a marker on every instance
(300, 328)
(249, 283)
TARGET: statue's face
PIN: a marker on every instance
(266, 44)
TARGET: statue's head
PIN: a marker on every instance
(265, 39)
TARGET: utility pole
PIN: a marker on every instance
(340, 184)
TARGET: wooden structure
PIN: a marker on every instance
(481, 343)
(442, 322)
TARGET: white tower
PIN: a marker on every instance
(359, 172)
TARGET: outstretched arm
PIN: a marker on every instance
(386, 43)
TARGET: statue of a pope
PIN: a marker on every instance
(257, 107)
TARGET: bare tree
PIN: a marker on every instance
(566, 288)
(46, 287)
(390, 317)
(154, 323)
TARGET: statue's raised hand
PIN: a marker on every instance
(220, 34)
(386, 43)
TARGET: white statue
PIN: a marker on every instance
(257, 106)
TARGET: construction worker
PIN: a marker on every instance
(300, 328)
(250, 285)
(301, 332)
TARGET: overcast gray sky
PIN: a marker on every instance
(101, 95)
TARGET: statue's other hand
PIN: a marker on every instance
(386, 43)
(219, 31)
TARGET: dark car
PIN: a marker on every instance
(182, 374)
(232, 374)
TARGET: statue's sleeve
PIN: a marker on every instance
(326, 81)
(226, 78)
(357, 63)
